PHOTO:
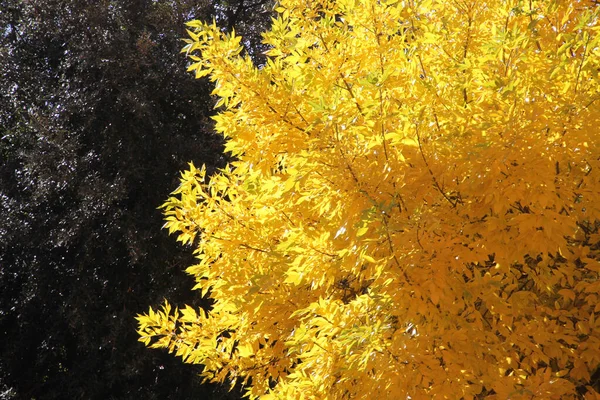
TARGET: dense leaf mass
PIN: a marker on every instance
(415, 208)
(97, 115)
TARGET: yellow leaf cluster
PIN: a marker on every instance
(415, 207)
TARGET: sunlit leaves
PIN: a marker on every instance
(414, 209)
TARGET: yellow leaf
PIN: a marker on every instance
(245, 350)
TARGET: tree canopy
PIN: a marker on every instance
(414, 209)
(97, 116)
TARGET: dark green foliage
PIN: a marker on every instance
(97, 116)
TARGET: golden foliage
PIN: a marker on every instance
(415, 208)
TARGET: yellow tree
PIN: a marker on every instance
(414, 210)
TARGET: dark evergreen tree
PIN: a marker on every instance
(97, 116)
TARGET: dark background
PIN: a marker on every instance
(97, 118)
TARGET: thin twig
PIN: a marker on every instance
(435, 181)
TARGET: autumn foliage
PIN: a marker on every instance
(414, 210)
